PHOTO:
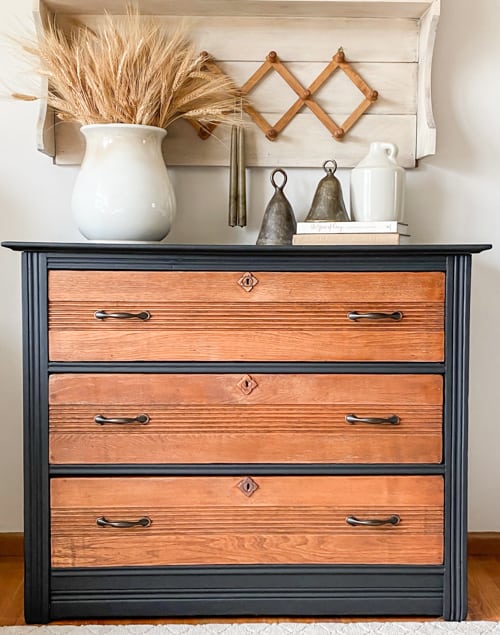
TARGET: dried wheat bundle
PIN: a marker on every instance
(130, 70)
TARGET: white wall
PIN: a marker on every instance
(452, 197)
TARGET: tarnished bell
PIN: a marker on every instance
(328, 203)
(279, 224)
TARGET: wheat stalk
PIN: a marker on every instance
(129, 70)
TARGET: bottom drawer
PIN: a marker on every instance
(244, 520)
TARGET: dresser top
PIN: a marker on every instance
(157, 249)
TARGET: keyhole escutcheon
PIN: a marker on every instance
(247, 384)
(248, 486)
(248, 281)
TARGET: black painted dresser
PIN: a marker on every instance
(215, 431)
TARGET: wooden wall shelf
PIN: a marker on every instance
(270, 8)
(389, 43)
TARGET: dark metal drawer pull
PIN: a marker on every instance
(354, 315)
(102, 315)
(373, 522)
(392, 420)
(142, 419)
(123, 524)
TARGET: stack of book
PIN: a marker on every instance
(351, 233)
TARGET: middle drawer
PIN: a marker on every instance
(245, 418)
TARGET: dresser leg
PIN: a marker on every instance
(455, 436)
(36, 467)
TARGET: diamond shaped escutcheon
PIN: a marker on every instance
(247, 384)
(248, 486)
(248, 281)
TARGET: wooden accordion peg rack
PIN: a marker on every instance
(305, 97)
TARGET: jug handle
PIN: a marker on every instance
(390, 149)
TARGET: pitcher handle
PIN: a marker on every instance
(390, 149)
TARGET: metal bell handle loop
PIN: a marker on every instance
(285, 179)
(330, 171)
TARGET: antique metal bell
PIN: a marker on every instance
(279, 224)
(328, 203)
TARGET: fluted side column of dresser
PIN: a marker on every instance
(245, 430)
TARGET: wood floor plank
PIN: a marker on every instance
(11, 591)
(484, 599)
(484, 591)
(490, 570)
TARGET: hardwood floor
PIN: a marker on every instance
(11, 591)
(484, 595)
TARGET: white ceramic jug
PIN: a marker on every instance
(378, 185)
(123, 191)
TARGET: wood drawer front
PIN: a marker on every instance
(209, 520)
(245, 418)
(197, 316)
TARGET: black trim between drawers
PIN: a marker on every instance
(277, 469)
(375, 368)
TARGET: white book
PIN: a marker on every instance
(351, 239)
(352, 227)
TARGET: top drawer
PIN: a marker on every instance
(245, 316)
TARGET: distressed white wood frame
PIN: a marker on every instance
(389, 42)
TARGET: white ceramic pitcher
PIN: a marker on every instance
(378, 185)
(123, 191)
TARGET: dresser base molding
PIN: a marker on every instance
(120, 592)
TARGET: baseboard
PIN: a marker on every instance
(11, 545)
(479, 543)
(484, 543)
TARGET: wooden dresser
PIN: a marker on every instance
(245, 430)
